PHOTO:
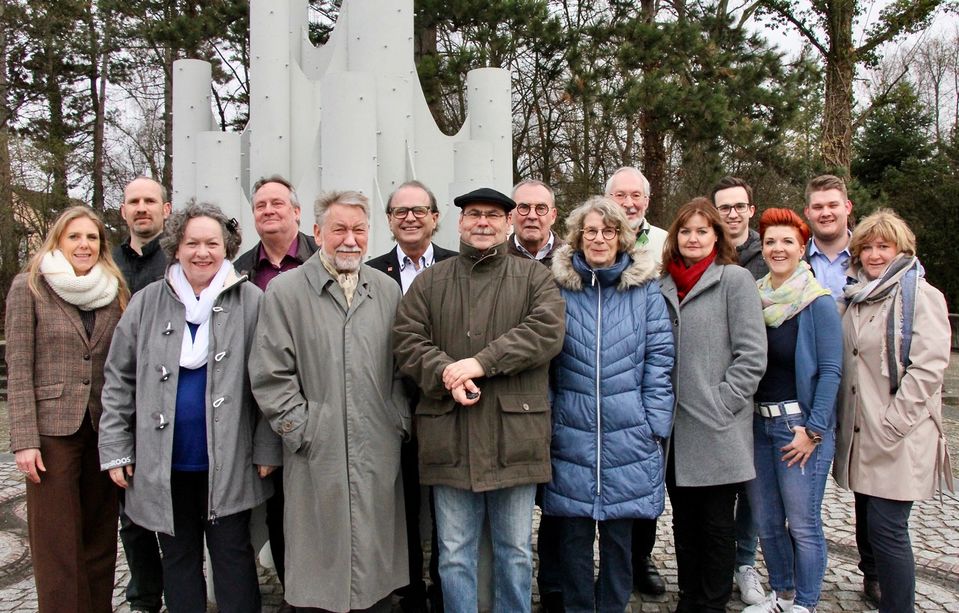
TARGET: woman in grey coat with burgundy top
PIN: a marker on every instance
(720, 358)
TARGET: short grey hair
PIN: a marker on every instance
(349, 198)
(175, 228)
(535, 183)
(294, 199)
(613, 215)
(630, 169)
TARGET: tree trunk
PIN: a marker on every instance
(654, 166)
(653, 163)
(10, 237)
(57, 135)
(98, 73)
(837, 107)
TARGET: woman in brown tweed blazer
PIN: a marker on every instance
(61, 313)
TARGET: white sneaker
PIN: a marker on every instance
(774, 605)
(750, 585)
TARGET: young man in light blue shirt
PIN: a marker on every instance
(827, 211)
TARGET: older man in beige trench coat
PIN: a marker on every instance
(323, 374)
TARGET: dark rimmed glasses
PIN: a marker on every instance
(401, 212)
(524, 209)
(726, 209)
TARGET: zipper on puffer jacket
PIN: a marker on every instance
(599, 417)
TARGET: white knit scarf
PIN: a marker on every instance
(194, 349)
(87, 292)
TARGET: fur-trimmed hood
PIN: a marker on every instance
(639, 270)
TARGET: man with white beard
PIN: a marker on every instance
(323, 374)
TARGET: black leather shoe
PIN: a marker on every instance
(552, 602)
(646, 579)
(871, 591)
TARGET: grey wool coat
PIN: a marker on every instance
(720, 358)
(139, 404)
(324, 376)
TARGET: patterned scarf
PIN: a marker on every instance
(900, 281)
(346, 280)
(87, 292)
(795, 294)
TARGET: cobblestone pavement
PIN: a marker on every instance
(934, 528)
(935, 533)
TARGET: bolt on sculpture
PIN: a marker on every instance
(348, 115)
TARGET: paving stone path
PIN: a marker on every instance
(934, 531)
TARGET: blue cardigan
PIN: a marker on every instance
(819, 363)
(613, 399)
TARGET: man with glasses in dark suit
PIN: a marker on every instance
(413, 215)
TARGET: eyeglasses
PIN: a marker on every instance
(726, 209)
(635, 196)
(401, 212)
(608, 233)
(491, 215)
(524, 209)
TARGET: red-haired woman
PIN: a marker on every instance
(720, 357)
(795, 419)
(61, 314)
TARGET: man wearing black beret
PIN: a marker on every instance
(476, 333)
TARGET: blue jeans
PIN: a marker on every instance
(795, 556)
(459, 522)
(610, 593)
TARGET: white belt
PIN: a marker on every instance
(777, 409)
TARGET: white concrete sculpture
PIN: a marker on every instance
(348, 115)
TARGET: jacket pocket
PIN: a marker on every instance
(524, 429)
(48, 392)
(726, 405)
(438, 432)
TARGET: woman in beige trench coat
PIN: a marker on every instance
(890, 449)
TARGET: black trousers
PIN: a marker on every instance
(414, 594)
(549, 541)
(145, 588)
(644, 539)
(235, 583)
(274, 524)
(885, 551)
(610, 591)
(704, 530)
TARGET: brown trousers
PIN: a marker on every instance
(72, 516)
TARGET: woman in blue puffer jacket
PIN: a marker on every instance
(612, 402)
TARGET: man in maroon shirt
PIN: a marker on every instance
(282, 247)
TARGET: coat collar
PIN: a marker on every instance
(712, 276)
(476, 256)
(322, 283)
(641, 269)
